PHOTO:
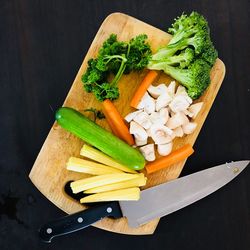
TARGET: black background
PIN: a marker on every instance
(42, 45)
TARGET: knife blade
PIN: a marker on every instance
(154, 202)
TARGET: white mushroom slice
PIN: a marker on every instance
(188, 113)
(148, 152)
(140, 142)
(164, 115)
(148, 132)
(195, 109)
(138, 131)
(171, 88)
(182, 91)
(189, 127)
(177, 120)
(129, 117)
(143, 119)
(179, 103)
(161, 134)
(156, 91)
(178, 132)
(147, 103)
(160, 117)
(165, 149)
(142, 101)
(162, 101)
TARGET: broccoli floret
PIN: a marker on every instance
(195, 78)
(189, 55)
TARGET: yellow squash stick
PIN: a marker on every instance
(96, 155)
(89, 167)
(137, 182)
(101, 180)
(117, 195)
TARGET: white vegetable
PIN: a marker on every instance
(138, 131)
(162, 101)
(160, 116)
(165, 149)
(147, 103)
(156, 91)
(143, 119)
(129, 117)
(171, 88)
(179, 103)
(161, 134)
(148, 152)
(178, 132)
(140, 142)
(182, 91)
(164, 115)
(189, 127)
(195, 109)
(177, 120)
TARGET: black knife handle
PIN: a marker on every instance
(77, 221)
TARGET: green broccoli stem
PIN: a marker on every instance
(178, 74)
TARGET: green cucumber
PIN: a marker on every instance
(79, 125)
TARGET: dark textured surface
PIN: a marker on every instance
(42, 44)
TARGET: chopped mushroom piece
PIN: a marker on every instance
(177, 120)
(140, 142)
(160, 116)
(195, 109)
(171, 88)
(138, 131)
(143, 119)
(147, 103)
(189, 127)
(179, 103)
(161, 134)
(148, 152)
(188, 113)
(165, 149)
(178, 132)
(164, 115)
(162, 101)
(129, 117)
(156, 91)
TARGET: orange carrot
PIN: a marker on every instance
(116, 121)
(148, 79)
(166, 161)
(111, 125)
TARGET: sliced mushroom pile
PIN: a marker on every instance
(162, 114)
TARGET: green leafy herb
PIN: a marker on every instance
(117, 58)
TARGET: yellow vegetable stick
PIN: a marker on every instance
(137, 182)
(89, 167)
(117, 195)
(96, 155)
(101, 180)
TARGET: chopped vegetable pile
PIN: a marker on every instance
(163, 114)
(115, 57)
(190, 54)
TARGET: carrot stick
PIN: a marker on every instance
(111, 125)
(147, 80)
(116, 121)
(166, 161)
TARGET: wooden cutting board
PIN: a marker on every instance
(49, 172)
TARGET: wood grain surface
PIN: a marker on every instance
(49, 173)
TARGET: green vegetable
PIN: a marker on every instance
(97, 113)
(115, 57)
(189, 55)
(82, 127)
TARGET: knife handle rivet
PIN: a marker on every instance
(109, 210)
(236, 170)
(80, 219)
(49, 230)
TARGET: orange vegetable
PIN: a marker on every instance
(116, 122)
(166, 161)
(147, 80)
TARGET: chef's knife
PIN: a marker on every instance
(154, 202)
